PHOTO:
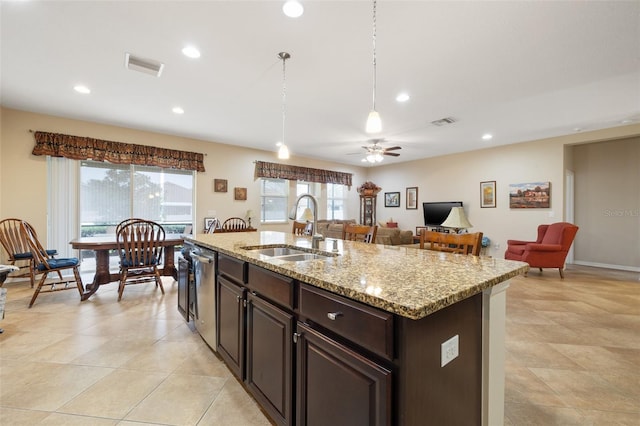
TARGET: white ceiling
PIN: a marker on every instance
(521, 70)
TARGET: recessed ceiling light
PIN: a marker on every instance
(626, 121)
(191, 52)
(577, 129)
(487, 136)
(402, 97)
(293, 9)
(177, 110)
(82, 89)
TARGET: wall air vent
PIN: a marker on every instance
(147, 66)
(444, 121)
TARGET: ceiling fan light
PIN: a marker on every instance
(283, 152)
(378, 157)
(374, 123)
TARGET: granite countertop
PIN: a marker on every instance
(406, 281)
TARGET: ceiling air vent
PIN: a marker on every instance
(444, 121)
(147, 66)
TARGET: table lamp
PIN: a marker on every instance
(456, 220)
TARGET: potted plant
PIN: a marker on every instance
(369, 188)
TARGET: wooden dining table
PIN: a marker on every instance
(102, 244)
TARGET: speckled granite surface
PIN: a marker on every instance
(406, 281)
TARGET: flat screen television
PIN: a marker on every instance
(436, 213)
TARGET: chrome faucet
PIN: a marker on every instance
(316, 238)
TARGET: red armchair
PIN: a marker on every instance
(548, 251)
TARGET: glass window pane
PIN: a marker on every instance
(104, 193)
(274, 200)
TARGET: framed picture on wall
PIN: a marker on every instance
(488, 194)
(531, 195)
(220, 185)
(240, 194)
(412, 198)
(392, 199)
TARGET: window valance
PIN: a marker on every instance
(284, 171)
(84, 148)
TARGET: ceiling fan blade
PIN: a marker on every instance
(393, 154)
(393, 148)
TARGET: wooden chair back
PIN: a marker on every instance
(301, 228)
(234, 224)
(452, 243)
(16, 243)
(126, 222)
(140, 244)
(364, 233)
(43, 262)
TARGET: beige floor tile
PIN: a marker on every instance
(234, 407)
(25, 344)
(535, 354)
(541, 415)
(66, 350)
(46, 386)
(610, 418)
(114, 352)
(586, 390)
(600, 359)
(115, 395)
(163, 355)
(524, 387)
(18, 417)
(180, 400)
(58, 419)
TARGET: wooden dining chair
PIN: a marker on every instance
(364, 233)
(234, 224)
(302, 228)
(17, 247)
(451, 243)
(140, 245)
(45, 263)
(126, 222)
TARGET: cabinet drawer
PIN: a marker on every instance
(270, 285)
(366, 326)
(232, 268)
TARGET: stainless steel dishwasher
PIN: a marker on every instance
(204, 266)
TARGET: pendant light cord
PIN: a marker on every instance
(284, 92)
(374, 55)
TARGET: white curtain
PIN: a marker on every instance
(62, 204)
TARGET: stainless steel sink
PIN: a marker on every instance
(289, 253)
(278, 251)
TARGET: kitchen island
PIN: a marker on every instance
(378, 334)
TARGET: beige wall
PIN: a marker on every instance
(453, 177)
(23, 177)
(457, 178)
(607, 202)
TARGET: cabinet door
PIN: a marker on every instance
(230, 316)
(269, 358)
(337, 386)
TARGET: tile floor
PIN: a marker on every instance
(573, 357)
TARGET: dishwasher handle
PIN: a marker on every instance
(202, 259)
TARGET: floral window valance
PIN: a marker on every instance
(283, 171)
(84, 148)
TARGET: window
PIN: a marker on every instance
(274, 195)
(110, 193)
(336, 201)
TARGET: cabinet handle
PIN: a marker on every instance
(238, 298)
(296, 336)
(333, 315)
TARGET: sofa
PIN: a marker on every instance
(387, 236)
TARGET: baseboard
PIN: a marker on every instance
(606, 265)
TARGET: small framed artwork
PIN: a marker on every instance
(532, 195)
(488, 194)
(412, 198)
(240, 194)
(220, 185)
(392, 199)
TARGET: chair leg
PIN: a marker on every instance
(79, 284)
(159, 280)
(121, 285)
(37, 291)
(561, 273)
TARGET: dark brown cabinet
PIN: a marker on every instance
(231, 324)
(269, 373)
(338, 386)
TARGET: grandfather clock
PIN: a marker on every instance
(368, 209)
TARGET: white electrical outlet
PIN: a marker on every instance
(449, 351)
(496, 246)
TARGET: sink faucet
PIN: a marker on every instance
(316, 238)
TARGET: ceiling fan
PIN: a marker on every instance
(375, 152)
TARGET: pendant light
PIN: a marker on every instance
(283, 152)
(374, 123)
